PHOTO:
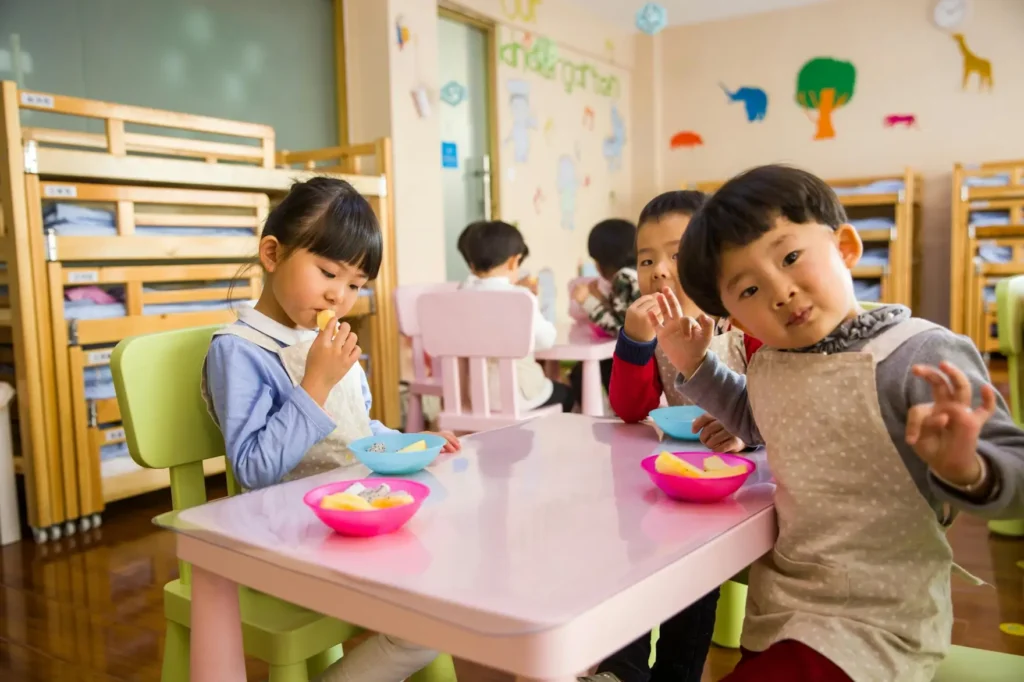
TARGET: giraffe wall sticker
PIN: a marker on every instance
(974, 64)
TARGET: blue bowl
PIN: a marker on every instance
(677, 422)
(394, 463)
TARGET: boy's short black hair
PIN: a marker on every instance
(740, 212)
(612, 244)
(681, 201)
(486, 244)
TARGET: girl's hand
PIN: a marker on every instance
(684, 340)
(714, 435)
(453, 444)
(944, 433)
(332, 355)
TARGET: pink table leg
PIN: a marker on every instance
(593, 398)
(216, 639)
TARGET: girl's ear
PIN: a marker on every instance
(270, 253)
(851, 248)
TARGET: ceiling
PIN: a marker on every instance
(680, 12)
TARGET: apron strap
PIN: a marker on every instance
(252, 335)
(883, 345)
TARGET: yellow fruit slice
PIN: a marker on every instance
(714, 463)
(345, 502)
(323, 318)
(734, 470)
(396, 500)
(670, 465)
(415, 447)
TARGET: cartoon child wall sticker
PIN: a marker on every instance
(523, 120)
(568, 183)
(613, 144)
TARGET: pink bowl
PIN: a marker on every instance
(365, 524)
(698, 489)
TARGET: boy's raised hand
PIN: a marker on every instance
(638, 325)
(683, 339)
(944, 432)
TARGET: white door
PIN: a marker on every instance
(465, 133)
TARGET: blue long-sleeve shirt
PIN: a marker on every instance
(268, 423)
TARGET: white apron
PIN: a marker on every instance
(344, 404)
(861, 568)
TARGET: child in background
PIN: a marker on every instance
(876, 423)
(612, 245)
(289, 400)
(640, 373)
(494, 250)
(640, 370)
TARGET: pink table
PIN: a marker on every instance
(579, 342)
(543, 548)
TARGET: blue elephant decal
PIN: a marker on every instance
(755, 100)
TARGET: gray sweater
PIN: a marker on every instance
(723, 393)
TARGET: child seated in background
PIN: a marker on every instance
(876, 423)
(494, 250)
(612, 245)
(640, 371)
(288, 399)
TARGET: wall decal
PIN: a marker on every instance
(950, 14)
(905, 120)
(401, 32)
(453, 93)
(538, 199)
(755, 101)
(520, 10)
(588, 118)
(651, 18)
(567, 187)
(609, 49)
(974, 64)
(586, 181)
(825, 84)
(686, 138)
(541, 58)
(523, 120)
(612, 145)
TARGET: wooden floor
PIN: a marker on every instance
(89, 608)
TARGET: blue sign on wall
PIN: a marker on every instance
(449, 155)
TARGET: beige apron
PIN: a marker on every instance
(861, 567)
(344, 404)
(728, 346)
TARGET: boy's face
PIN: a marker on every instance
(792, 287)
(657, 243)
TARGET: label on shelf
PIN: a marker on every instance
(35, 99)
(60, 191)
(98, 357)
(83, 276)
(113, 435)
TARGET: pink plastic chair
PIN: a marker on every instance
(408, 324)
(475, 327)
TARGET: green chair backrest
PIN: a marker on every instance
(1010, 323)
(166, 423)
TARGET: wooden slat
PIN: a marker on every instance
(62, 104)
(139, 247)
(195, 220)
(75, 192)
(71, 163)
(876, 235)
(150, 144)
(147, 480)
(114, 274)
(241, 293)
(868, 271)
(287, 158)
(110, 331)
(85, 458)
(107, 411)
(882, 199)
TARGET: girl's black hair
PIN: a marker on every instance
(329, 218)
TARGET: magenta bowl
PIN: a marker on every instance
(365, 524)
(699, 489)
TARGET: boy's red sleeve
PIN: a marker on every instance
(635, 388)
(750, 344)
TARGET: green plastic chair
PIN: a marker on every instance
(1010, 323)
(157, 378)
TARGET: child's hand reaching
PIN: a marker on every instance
(684, 340)
(714, 435)
(331, 356)
(453, 444)
(638, 325)
(581, 293)
(944, 433)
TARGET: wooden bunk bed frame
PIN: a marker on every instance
(970, 276)
(147, 179)
(898, 277)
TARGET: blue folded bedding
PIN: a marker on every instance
(72, 220)
(878, 187)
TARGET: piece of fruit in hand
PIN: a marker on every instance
(323, 318)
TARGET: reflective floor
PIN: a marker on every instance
(89, 608)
